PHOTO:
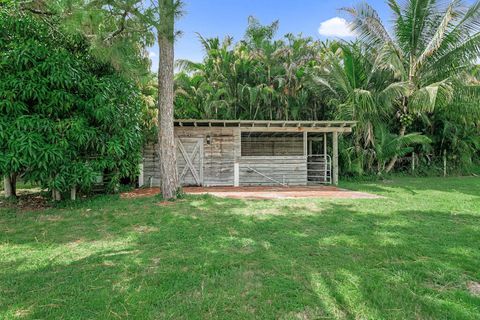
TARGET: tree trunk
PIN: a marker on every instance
(166, 138)
(73, 193)
(392, 162)
(56, 195)
(10, 185)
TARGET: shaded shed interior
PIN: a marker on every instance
(272, 144)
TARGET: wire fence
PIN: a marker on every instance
(418, 164)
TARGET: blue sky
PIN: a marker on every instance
(213, 18)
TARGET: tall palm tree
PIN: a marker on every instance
(432, 46)
(356, 89)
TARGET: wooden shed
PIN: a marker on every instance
(251, 153)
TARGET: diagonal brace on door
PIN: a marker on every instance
(192, 157)
(188, 160)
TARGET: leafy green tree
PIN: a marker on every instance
(433, 47)
(65, 117)
(115, 35)
(139, 20)
(119, 31)
(294, 77)
(257, 78)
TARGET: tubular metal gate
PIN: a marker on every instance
(319, 169)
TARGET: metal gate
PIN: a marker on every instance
(319, 169)
(190, 161)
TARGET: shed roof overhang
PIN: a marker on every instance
(272, 125)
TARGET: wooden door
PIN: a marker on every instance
(190, 161)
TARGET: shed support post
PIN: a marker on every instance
(335, 158)
(305, 143)
(236, 174)
(325, 147)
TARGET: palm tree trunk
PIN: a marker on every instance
(403, 128)
(166, 135)
(392, 162)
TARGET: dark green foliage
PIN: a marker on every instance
(65, 117)
(257, 78)
(296, 78)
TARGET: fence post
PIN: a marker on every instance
(413, 162)
(335, 159)
(73, 193)
(444, 163)
(56, 195)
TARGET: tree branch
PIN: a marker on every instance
(120, 29)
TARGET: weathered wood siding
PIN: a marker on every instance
(287, 170)
(221, 150)
(193, 148)
(218, 156)
(151, 165)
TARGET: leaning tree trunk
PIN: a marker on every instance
(392, 162)
(10, 184)
(168, 160)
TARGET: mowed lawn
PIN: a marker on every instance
(414, 254)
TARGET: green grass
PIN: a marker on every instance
(409, 255)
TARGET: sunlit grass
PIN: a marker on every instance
(408, 255)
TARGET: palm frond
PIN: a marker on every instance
(188, 66)
(367, 24)
(436, 40)
(426, 98)
(388, 59)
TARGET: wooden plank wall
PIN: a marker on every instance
(189, 145)
(223, 152)
(151, 165)
(287, 170)
(219, 156)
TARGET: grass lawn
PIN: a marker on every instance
(415, 254)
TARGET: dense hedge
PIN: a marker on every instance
(65, 117)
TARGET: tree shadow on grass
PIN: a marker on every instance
(238, 260)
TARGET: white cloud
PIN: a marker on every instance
(336, 27)
(152, 54)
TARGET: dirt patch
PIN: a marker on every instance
(139, 193)
(474, 288)
(329, 192)
(27, 202)
(299, 192)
